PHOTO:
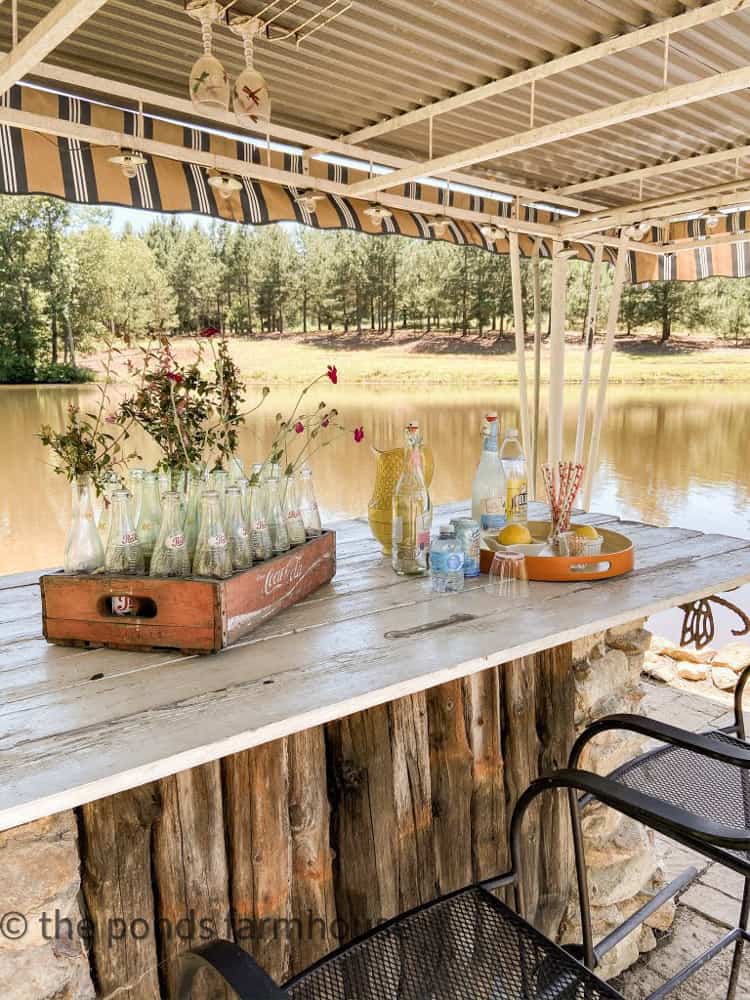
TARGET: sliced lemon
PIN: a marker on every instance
(515, 534)
(585, 530)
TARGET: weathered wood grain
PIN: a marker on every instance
(116, 842)
(190, 871)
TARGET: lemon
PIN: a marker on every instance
(514, 534)
(585, 531)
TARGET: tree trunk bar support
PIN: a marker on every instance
(356, 756)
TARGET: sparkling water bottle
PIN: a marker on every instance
(171, 556)
(212, 557)
(488, 491)
(447, 562)
(516, 478)
(412, 511)
(124, 553)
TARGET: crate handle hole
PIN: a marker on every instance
(127, 606)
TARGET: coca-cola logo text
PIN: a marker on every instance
(283, 576)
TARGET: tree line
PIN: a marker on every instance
(67, 280)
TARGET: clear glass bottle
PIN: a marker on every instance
(412, 511)
(274, 513)
(149, 518)
(308, 503)
(447, 562)
(516, 478)
(111, 483)
(83, 548)
(212, 557)
(238, 533)
(218, 481)
(257, 515)
(196, 486)
(488, 491)
(171, 556)
(295, 526)
(236, 469)
(124, 553)
(135, 488)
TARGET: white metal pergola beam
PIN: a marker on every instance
(657, 170)
(614, 114)
(609, 47)
(54, 28)
(51, 73)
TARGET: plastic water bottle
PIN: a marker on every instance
(516, 478)
(447, 562)
(488, 491)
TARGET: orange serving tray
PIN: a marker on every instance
(616, 558)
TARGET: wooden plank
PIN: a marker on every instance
(256, 786)
(116, 835)
(313, 902)
(190, 872)
(65, 747)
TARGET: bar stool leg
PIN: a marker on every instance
(584, 902)
(739, 947)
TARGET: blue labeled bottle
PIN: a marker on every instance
(447, 562)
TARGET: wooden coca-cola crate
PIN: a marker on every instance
(195, 614)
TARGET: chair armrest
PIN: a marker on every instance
(697, 742)
(654, 812)
(739, 691)
(238, 969)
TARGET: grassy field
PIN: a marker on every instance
(446, 360)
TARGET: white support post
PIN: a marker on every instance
(601, 396)
(555, 401)
(537, 291)
(520, 332)
(588, 350)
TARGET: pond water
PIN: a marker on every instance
(670, 455)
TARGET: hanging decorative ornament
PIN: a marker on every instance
(225, 184)
(250, 98)
(209, 83)
(491, 232)
(439, 224)
(128, 161)
(377, 212)
(712, 219)
(308, 199)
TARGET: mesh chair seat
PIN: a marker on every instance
(709, 789)
(468, 946)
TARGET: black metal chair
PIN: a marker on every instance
(696, 789)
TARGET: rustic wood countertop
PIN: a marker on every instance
(76, 725)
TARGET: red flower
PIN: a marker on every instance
(333, 374)
(175, 377)
(299, 427)
(325, 421)
(111, 418)
(210, 331)
(359, 434)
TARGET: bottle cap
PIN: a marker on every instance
(491, 417)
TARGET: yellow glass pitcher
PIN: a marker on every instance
(380, 508)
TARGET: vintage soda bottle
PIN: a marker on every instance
(83, 549)
(447, 562)
(124, 553)
(412, 511)
(488, 491)
(516, 478)
(274, 513)
(238, 533)
(111, 483)
(135, 488)
(149, 517)
(308, 503)
(195, 488)
(171, 556)
(212, 557)
(261, 534)
(295, 526)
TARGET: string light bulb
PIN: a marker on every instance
(128, 161)
(225, 185)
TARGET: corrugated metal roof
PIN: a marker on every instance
(385, 57)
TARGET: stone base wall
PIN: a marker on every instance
(622, 865)
(42, 955)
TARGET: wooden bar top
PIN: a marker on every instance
(77, 725)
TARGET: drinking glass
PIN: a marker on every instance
(507, 577)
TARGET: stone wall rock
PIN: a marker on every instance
(40, 886)
(623, 869)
